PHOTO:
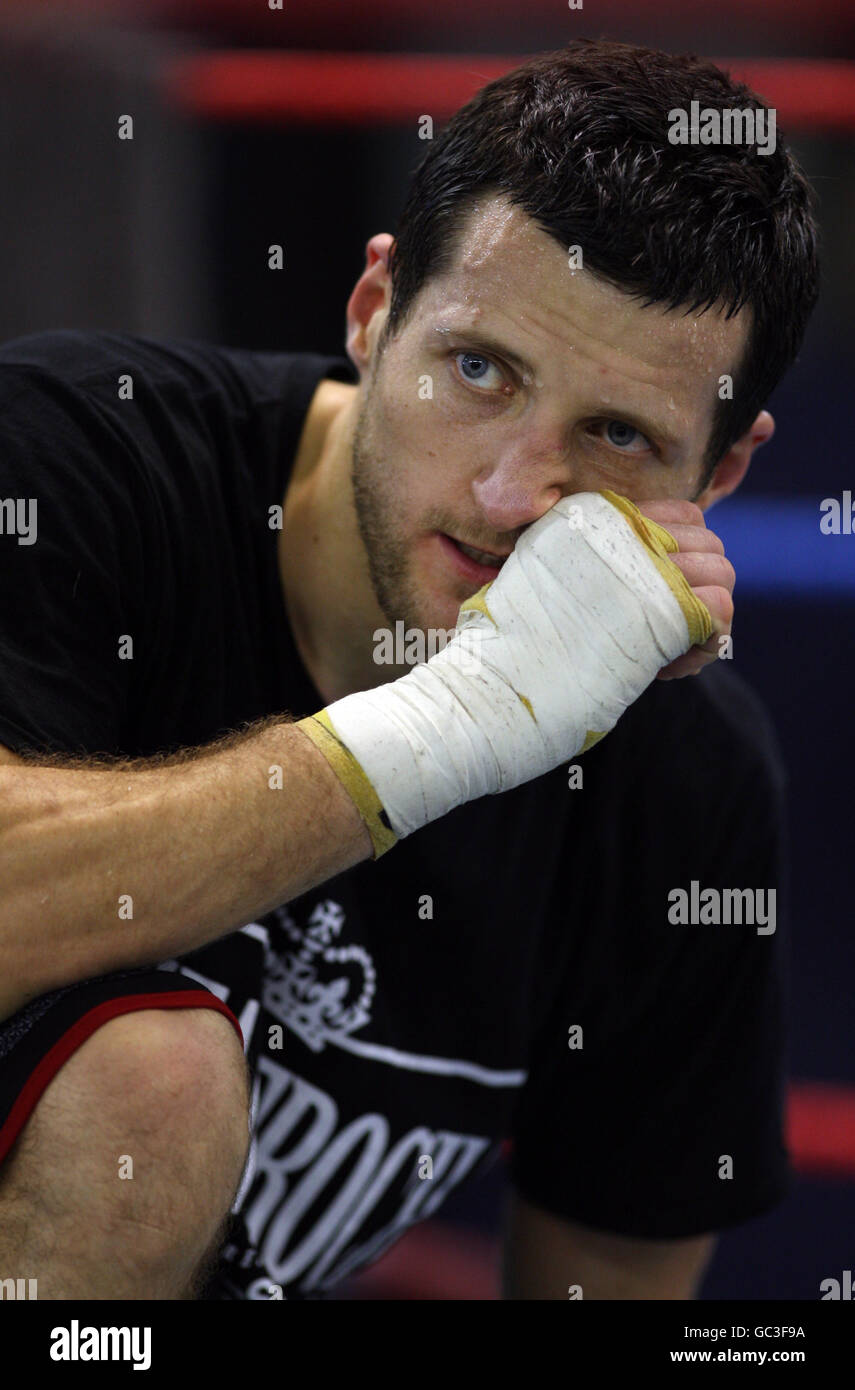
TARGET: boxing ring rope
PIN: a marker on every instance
(382, 89)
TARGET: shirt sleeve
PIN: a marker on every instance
(67, 554)
(667, 1122)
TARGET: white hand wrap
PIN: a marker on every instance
(585, 612)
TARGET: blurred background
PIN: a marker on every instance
(299, 125)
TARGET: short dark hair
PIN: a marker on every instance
(578, 139)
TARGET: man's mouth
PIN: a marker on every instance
(482, 557)
(474, 562)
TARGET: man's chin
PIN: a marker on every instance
(435, 624)
(439, 601)
(431, 615)
(426, 597)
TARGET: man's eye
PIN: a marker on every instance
(475, 370)
(620, 434)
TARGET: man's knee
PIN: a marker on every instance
(146, 1121)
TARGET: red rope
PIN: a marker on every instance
(387, 89)
(821, 1129)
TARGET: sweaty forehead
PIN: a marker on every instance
(511, 275)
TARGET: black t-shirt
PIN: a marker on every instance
(508, 973)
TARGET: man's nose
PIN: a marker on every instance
(520, 486)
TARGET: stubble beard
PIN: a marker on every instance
(389, 557)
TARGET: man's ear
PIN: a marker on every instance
(733, 466)
(369, 301)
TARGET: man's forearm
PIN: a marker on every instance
(105, 868)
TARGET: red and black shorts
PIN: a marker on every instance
(39, 1038)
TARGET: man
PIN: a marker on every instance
(222, 806)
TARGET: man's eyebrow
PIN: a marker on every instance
(477, 339)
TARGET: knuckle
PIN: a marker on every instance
(715, 542)
(719, 571)
(682, 513)
(724, 605)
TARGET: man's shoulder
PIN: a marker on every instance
(132, 409)
(83, 359)
(72, 354)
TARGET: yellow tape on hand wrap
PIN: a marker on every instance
(348, 771)
(659, 544)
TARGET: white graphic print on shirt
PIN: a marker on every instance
(323, 1193)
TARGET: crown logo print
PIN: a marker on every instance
(307, 989)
